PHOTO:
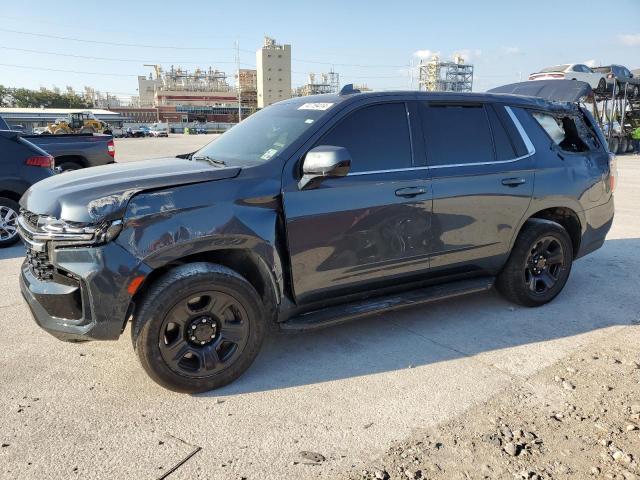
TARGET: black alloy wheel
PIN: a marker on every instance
(203, 334)
(542, 268)
(539, 264)
(197, 327)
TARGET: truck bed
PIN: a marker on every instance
(84, 149)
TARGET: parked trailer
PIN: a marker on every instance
(617, 115)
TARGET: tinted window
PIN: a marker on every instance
(456, 134)
(377, 137)
(502, 142)
(507, 123)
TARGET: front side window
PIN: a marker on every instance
(377, 137)
(456, 134)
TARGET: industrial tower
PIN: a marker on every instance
(439, 76)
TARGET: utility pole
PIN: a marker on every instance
(239, 84)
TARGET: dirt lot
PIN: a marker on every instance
(463, 378)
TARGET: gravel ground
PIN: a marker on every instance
(579, 418)
(330, 404)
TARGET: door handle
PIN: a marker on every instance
(410, 191)
(513, 182)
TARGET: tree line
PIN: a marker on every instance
(26, 98)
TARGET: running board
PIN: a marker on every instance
(351, 311)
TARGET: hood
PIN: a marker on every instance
(554, 90)
(101, 193)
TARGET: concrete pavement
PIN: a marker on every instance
(89, 411)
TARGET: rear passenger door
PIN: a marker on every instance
(372, 227)
(482, 177)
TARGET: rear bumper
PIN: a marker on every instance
(598, 224)
(87, 299)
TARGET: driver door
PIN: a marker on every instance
(369, 228)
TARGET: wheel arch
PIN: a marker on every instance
(245, 262)
(79, 159)
(564, 216)
(10, 194)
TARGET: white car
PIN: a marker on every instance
(572, 71)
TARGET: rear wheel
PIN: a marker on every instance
(539, 264)
(613, 144)
(69, 166)
(8, 222)
(199, 327)
(623, 145)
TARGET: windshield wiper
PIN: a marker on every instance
(211, 160)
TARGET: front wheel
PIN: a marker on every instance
(199, 327)
(8, 222)
(539, 264)
(602, 86)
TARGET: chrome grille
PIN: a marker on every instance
(30, 218)
(39, 264)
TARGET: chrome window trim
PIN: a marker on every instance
(525, 138)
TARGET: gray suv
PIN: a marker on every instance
(311, 212)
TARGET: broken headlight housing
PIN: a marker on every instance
(70, 233)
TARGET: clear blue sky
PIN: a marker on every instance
(505, 39)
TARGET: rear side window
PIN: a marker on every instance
(563, 131)
(504, 147)
(456, 134)
(377, 137)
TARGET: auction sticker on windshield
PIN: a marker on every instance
(315, 106)
(268, 154)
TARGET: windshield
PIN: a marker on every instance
(264, 134)
(557, 68)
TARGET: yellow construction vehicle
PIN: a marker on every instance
(78, 122)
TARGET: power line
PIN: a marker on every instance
(68, 71)
(110, 59)
(348, 64)
(171, 47)
(97, 42)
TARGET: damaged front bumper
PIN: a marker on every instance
(80, 293)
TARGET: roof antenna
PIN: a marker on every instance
(348, 89)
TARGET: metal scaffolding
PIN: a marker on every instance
(440, 76)
(322, 83)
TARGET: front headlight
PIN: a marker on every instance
(72, 233)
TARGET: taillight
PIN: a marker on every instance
(45, 161)
(111, 148)
(613, 171)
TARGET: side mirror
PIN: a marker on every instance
(324, 161)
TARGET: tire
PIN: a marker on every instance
(635, 93)
(87, 130)
(527, 279)
(9, 210)
(623, 145)
(59, 131)
(613, 144)
(69, 166)
(198, 327)
(602, 86)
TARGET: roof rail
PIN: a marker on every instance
(348, 89)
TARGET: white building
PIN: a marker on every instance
(273, 63)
